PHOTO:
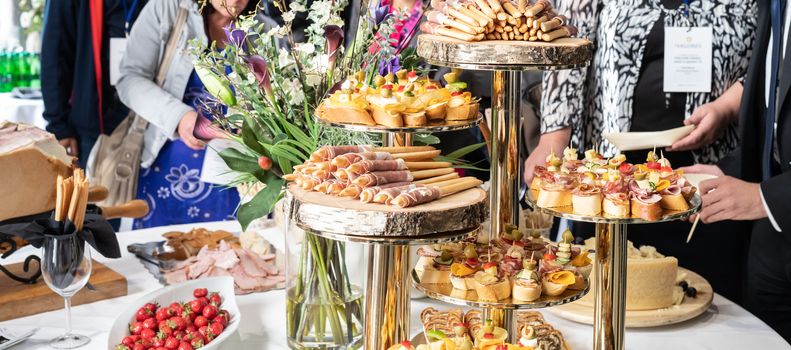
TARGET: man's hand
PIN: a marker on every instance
(185, 129)
(728, 198)
(710, 124)
(555, 141)
(70, 144)
(703, 169)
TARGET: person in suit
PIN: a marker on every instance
(754, 182)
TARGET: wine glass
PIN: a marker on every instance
(66, 267)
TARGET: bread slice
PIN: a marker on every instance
(415, 119)
(674, 202)
(553, 199)
(491, 291)
(463, 112)
(615, 208)
(386, 118)
(648, 212)
(587, 204)
(344, 114)
(437, 111)
(553, 289)
(523, 291)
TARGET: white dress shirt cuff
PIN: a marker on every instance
(768, 212)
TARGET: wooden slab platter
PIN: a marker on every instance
(420, 339)
(506, 55)
(582, 311)
(324, 213)
(19, 300)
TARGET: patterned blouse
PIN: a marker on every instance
(598, 99)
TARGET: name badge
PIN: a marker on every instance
(688, 59)
(214, 169)
(117, 51)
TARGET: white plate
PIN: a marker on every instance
(696, 179)
(632, 141)
(182, 292)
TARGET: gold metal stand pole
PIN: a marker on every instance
(387, 303)
(503, 318)
(504, 176)
(609, 287)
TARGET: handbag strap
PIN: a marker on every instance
(167, 58)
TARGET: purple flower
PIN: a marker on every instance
(258, 66)
(334, 36)
(236, 36)
(389, 66)
(380, 13)
(205, 131)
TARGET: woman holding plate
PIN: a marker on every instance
(635, 83)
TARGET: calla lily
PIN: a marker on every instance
(236, 36)
(258, 66)
(205, 131)
(334, 36)
(216, 86)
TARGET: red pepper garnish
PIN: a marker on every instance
(387, 86)
(549, 256)
(489, 264)
(625, 168)
(411, 74)
(488, 336)
(666, 169)
(406, 343)
(455, 93)
(401, 88)
(653, 165)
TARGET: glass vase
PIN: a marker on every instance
(324, 305)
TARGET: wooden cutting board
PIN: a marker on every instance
(19, 300)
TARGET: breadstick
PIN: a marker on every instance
(459, 185)
(502, 16)
(533, 31)
(289, 177)
(490, 36)
(486, 9)
(499, 29)
(403, 149)
(562, 32)
(445, 20)
(434, 28)
(538, 21)
(425, 174)
(511, 21)
(461, 14)
(539, 6)
(367, 195)
(495, 5)
(385, 196)
(508, 29)
(59, 198)
(329, 152)
(555, 22)
(453, 175)
(524, 28)
(427, 165)
(510, 8)
(532, 38)
(417, 156)
(521, 5)
(539, 33)
(482, 18)
(511, 36)
(417, 196)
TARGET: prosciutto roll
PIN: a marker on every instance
(417, 196)
(336, 187)
(344, 160)
(322, 187)
(367, 166)
(329, 152)
(387, 195)
(351, 190)
(367, 195)
(383, 177)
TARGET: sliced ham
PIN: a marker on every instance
(672, 190)
(647, 198)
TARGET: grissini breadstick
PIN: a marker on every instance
(495, 5)
(459, 10)
(383, 177)
(385, 196)
(521, 5)
(417, 196)
(486, 9)
(427, 165)
(436, 179)
(539, 6)
(502, 16)
(553, 23)
(416, 156)
(479, 37)
(336, 187)
(345, 160)
(367, 166)
(562, 32)
(445, 20)
(510, 8)
(322, 187)
(367, 194)
(482, 18)
(434, 28)
(404, 149)
(329, 152)
(290, 177)
(59, 198)
(351, 190)
(425, 174)
(462, 184)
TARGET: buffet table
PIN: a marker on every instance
(22, 111)
(724, 326)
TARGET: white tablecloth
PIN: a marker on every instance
(22, 111)
(724, 326)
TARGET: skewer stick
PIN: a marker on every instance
(692, 230)
(425, 174)
(436, 179)
(427, 165)
(59, 199)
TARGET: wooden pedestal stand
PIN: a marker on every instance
(389, 231)
(506, 60)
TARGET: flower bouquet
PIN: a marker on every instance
(266, 87)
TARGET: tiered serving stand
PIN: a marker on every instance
(389, 232)
(506, 59)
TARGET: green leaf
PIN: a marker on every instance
(425, 139)
(252, 136)
(263, 202)
(461, 152)
(238, 161)
(285, 151)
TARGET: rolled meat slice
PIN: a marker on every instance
(329, 152)
(336, 187)
(387, 195)
(351, 190)
(417, 196)
(344, 160)
(322, 187)
(367, 166)
(672, 190)
(377, 178)
(367, 195)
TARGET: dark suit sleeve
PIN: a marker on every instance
(731, 164)
(777, 194)
(57, 65)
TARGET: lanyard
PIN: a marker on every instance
(129, 11)
(686, 8)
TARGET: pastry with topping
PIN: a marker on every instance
(489, 285)
(526, 284)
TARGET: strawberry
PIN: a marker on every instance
(200, 292)
(215, 299)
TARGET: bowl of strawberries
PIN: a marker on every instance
(198, 314)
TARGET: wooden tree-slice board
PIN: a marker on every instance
(510, 55)
(582, 311)
(324, 213)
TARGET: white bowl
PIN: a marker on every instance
(181, 292)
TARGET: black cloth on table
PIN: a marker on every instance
(718, 251)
